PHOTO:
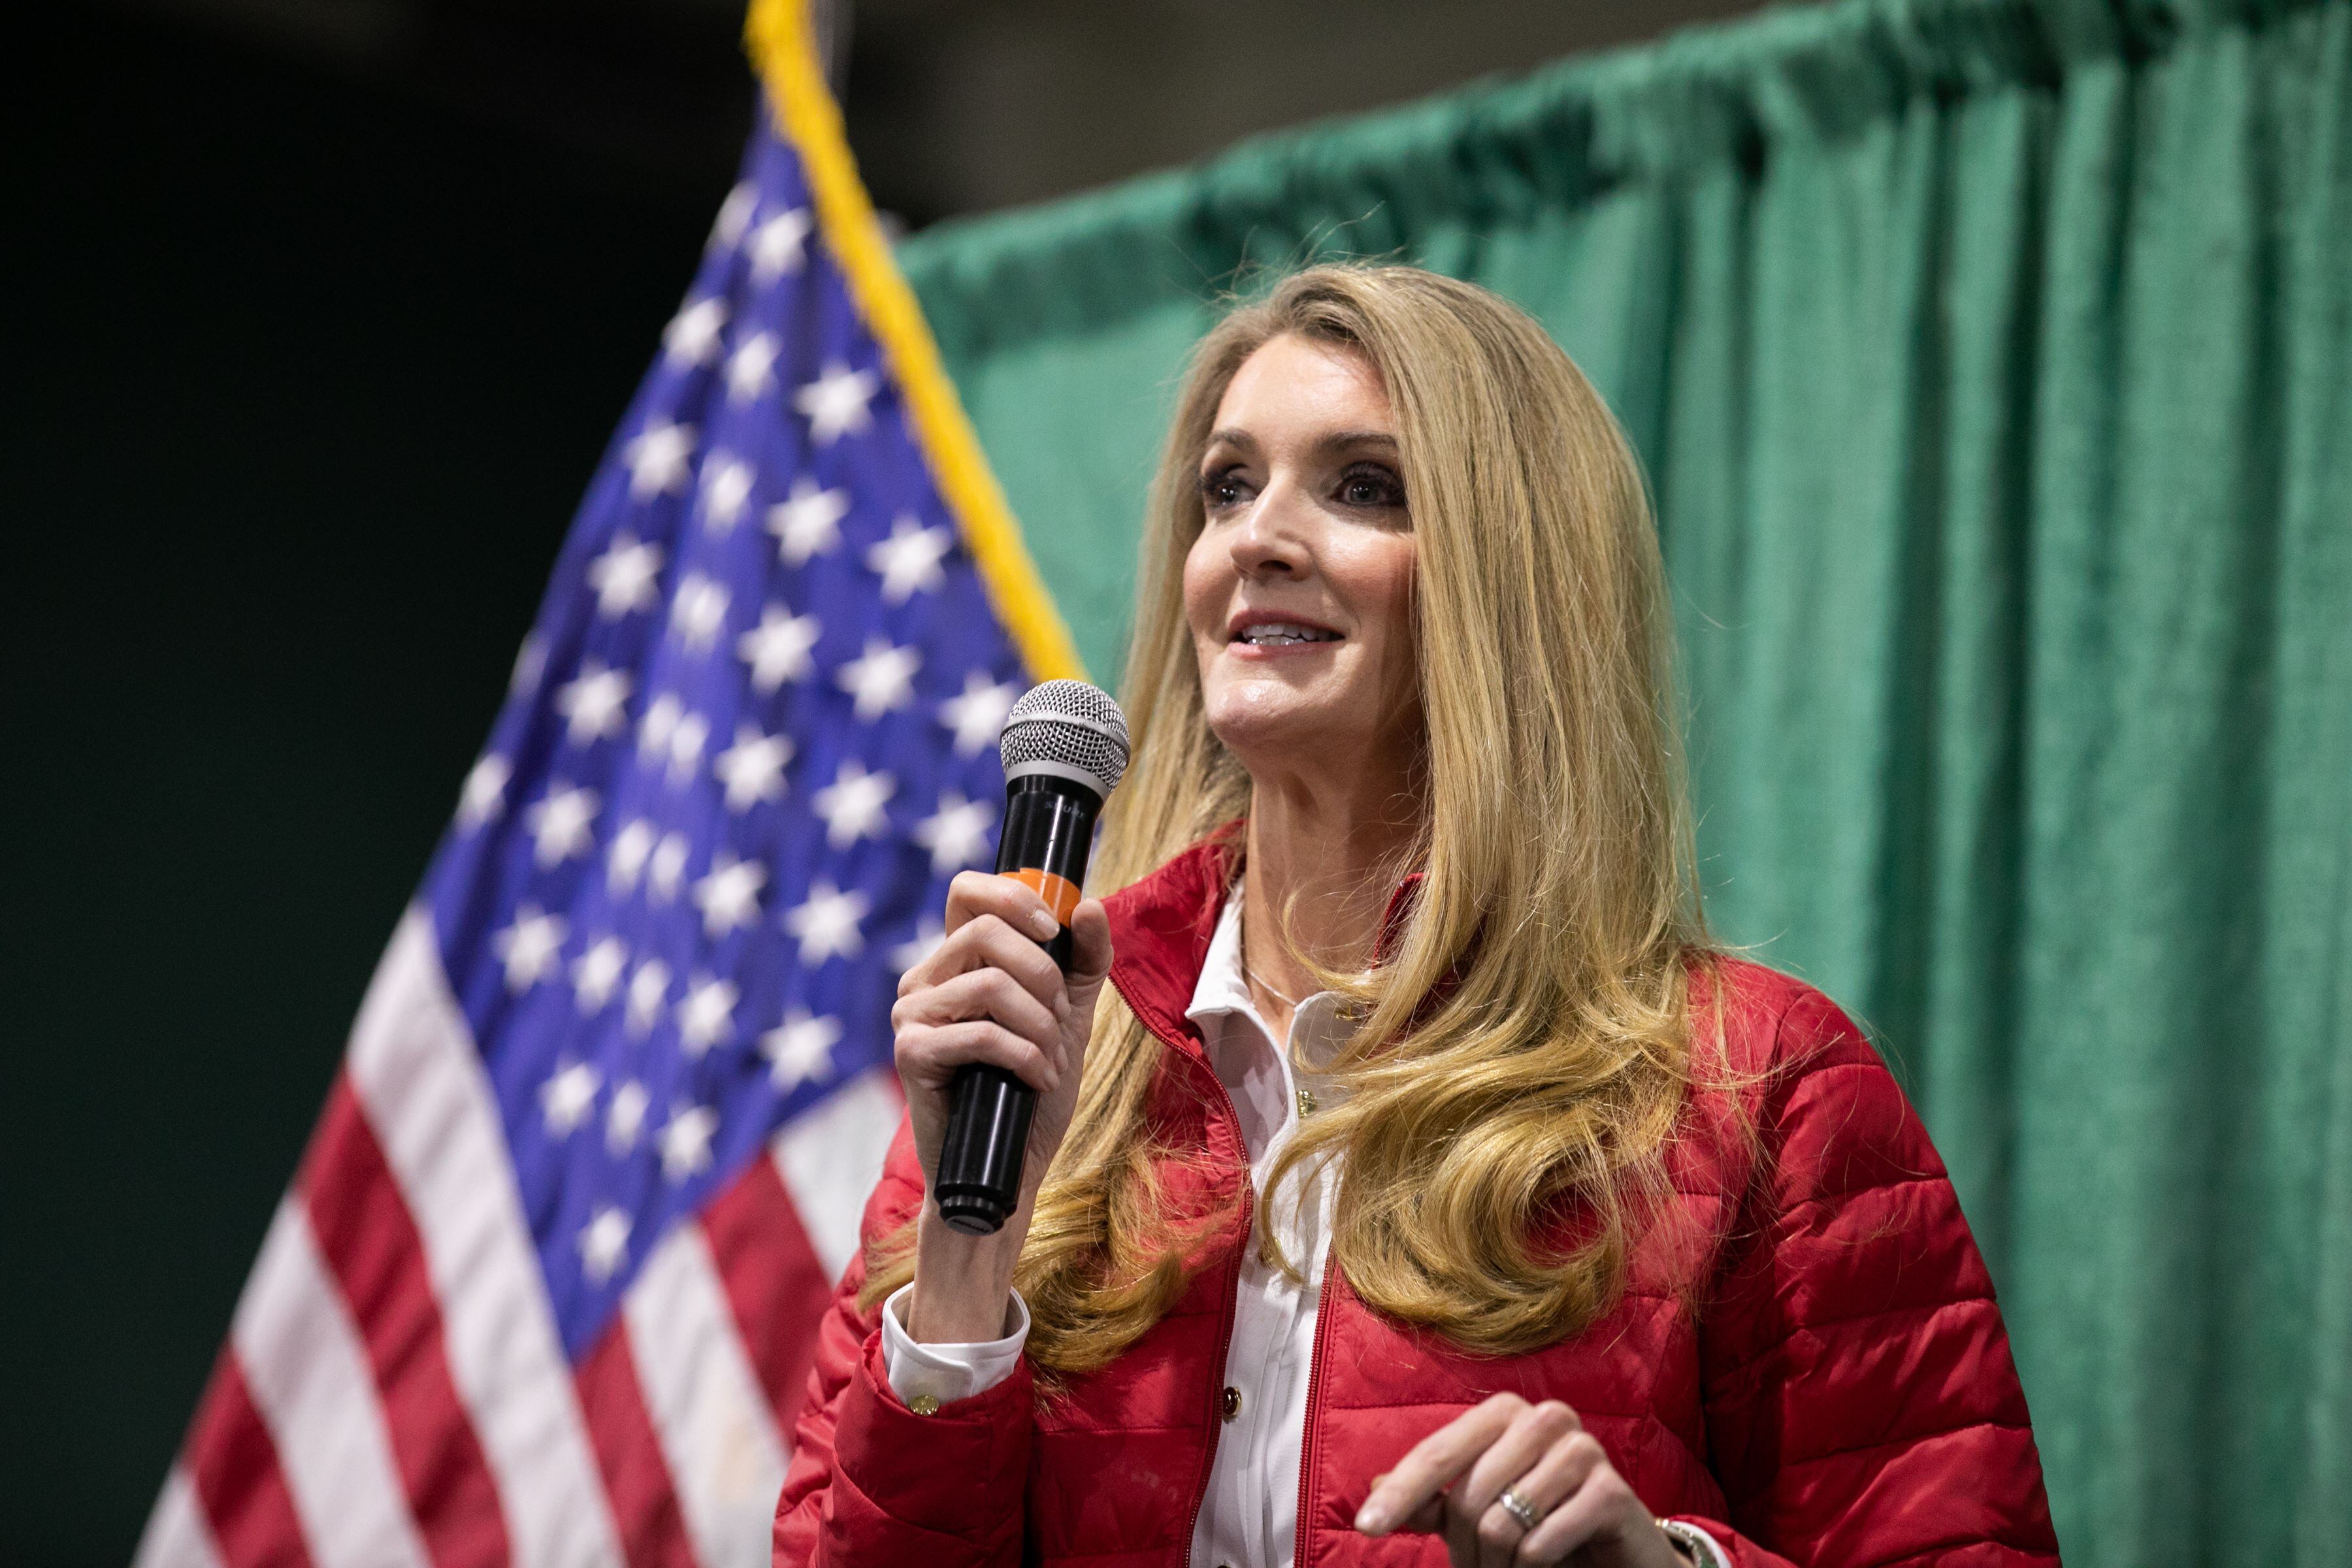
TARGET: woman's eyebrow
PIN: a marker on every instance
(1348, 440)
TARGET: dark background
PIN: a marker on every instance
(319, 318)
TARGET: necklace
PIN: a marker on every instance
(1251, 977)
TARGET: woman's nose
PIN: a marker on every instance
(1271, 541)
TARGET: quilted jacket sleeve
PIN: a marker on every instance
(873, 1482)
(1862, 1410)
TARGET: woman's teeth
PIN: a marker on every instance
(1274, 636)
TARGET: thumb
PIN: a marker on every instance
(1090, 952)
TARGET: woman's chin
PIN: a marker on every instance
(1263, 722)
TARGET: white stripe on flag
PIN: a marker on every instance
(706, 1404)
(308, 1372)
(176, 1535)
(413, 1064)
(832, 1157)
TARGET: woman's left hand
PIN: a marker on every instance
(1451, 1482)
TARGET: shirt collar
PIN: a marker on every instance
(1220, 988)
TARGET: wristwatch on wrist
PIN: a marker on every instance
(1690, 1543)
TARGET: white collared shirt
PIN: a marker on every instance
(1249, 1516)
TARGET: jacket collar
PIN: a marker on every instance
(1161, 927)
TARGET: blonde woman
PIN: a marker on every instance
(1411, 1183)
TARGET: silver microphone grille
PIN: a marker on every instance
(1067, 728)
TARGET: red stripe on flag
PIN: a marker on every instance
(233, 1464)
(370, 1243)
(636, 1475)
(773, 1281)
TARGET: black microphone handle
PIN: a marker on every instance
(1049, 829)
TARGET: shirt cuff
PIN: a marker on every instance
(1711, 1551)
(946, 1372)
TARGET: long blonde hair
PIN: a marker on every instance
(1523, 1050)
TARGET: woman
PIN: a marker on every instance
(1422, 1186)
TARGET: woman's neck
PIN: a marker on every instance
(1324, 855)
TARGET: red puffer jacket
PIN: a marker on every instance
(1844, 1395)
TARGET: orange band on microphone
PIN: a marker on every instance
(1061, 894)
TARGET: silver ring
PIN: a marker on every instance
(1518, 1507)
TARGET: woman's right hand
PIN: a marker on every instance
(989, 992)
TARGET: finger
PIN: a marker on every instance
(988, 941)
(931, 1053)
(1018, 905)
(1590, 1492)
(981, 994)
(1508, 1463)
(1434, 1462)
(1531, 1434)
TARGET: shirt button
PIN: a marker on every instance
(1305, 1102)
(924, 1404)
(1232, 1402)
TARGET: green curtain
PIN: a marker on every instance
(1992, 363)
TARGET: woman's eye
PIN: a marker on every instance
(1219, 488)
(1370, 487)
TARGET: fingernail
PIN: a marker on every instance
(1371, 1520)
(1042, 922)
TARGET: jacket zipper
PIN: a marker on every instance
(1314, 1392)
(1233, 1280)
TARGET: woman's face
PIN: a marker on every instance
(1299, 589)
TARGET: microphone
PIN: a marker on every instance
(1065, 746)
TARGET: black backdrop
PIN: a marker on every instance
(304, 379)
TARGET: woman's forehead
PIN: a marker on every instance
(1293, 388)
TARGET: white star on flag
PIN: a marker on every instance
(852, 805)
(777, 649)
(667, 731)
(807, 523)
(726, 485)
(957, 834)
(882, 679)
(665, 868)
(834, 402)
(657, 456)
(977, 715)
(591, 704)
(752, 769)
(707, 1016)
(648, 988)
(623, 577)
(800, 1049)
(730, 896)
(828, 924)
(917, 947)
(529, 948)
(625, 858)
(624, 1118)
(751, 368)
(485, 795)
(566, 1097)
(697, 610)
(777, 245)
(692, 335)
(735, 215)
(604, 1240)
(686, 1141)
(561, 824)
(596, 972)
(909, 560)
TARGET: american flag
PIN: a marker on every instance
(544, 1287)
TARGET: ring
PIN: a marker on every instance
(1520, 1509)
